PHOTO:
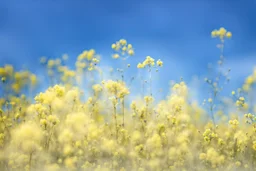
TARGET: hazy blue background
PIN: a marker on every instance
(177, 31)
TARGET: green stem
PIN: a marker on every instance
(115, 121)
(123, 110)
(150, 81)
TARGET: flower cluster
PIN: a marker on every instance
(122, 48)
(150, 62)
(221, 33)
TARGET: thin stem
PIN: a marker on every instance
(115, 121)
(30, 160)
(150, 81)
(123, 110)
(143, 87)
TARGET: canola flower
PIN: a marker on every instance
(62, 130)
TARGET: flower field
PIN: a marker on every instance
(84, 122)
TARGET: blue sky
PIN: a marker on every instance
(177, 31)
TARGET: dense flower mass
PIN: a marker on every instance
(69, 127)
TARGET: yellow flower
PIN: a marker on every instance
(129, 46)
(249, 80)
(115, 56)
(9, 69)
(140, 65)
(159, 63)
(82, 55)
(113, 46)
(238, 164)
(33, 80)
(124, 48)
(3, 79)
(202, 156)
(97, 88)
(222, 31)
(16, 87)
(17, 116)
(241, 98)
(69, 163)
(43, 122)
(123, 42)
(133, 105)
(148, 99)
(2, 72)
(51, 63)
(95, 60)
(149, 61)
(214, 33)
(229, 35)
(90, 54)
(130, 52)
(254, 145)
